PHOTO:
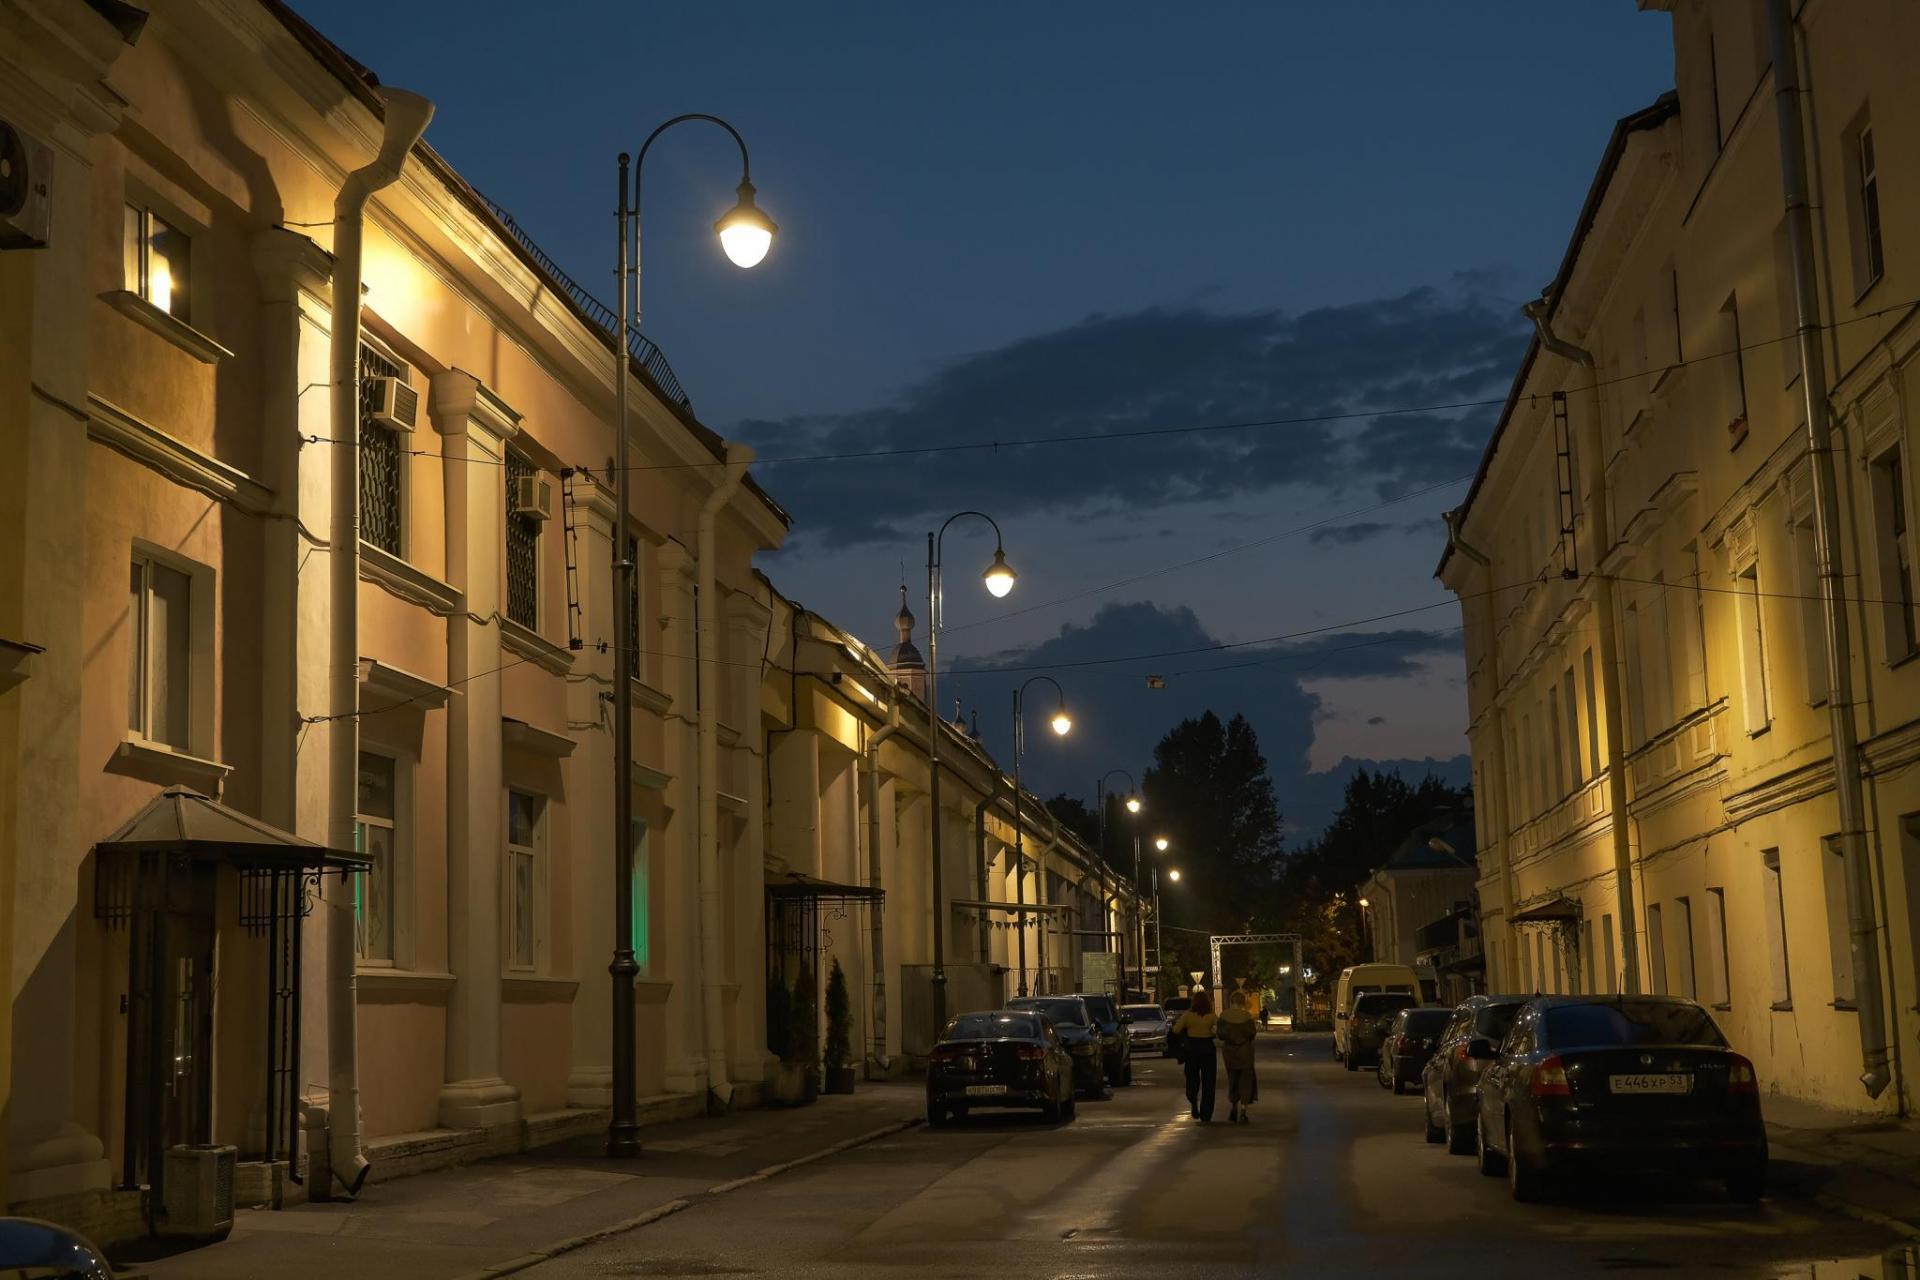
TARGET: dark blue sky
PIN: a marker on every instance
(1002, 220)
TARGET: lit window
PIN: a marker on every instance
(526, 835)
(155, 255)
(375, 823)
(1896, 555)
(159, 680)
(642, 887)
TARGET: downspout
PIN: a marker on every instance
(1505, 812)
(707, 682)
(878, 1060)
(1869, 998)
(1600, 542)
(404, 119)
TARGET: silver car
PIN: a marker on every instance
(1147, 1026)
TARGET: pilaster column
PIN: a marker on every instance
(685, 1060)
(591, 782)
(475, 426)
(747, 621)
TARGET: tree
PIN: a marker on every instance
(839, 1019)
(1210, 794)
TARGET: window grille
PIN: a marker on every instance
(380, 460)
(523, 543)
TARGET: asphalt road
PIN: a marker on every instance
(1331, 1178)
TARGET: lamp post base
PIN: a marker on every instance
(623, 1140)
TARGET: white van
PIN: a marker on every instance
(1364, 979)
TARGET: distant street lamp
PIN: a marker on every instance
(745, 236)
(1133, 807)
(1160, 843)
(1062, 725)
(999, 577)
(1159, 940)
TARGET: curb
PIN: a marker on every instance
(560, 1247)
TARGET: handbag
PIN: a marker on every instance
(1177, 1046)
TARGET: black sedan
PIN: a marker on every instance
(1410, 1042)
(1367, 1027)
(1116, 1045)
(1001, 1059)
(1075, 1026)
(1452, 1077)
(1616, 1082)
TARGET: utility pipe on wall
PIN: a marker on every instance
(1862, 925)
(404, 119)
(707, 679)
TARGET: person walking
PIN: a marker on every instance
(1235, 1032)
(1196, 1027)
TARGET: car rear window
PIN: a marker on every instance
(992, 1026)
(1372, 1006)
(1101, 1007)
(1062, 1011)
(1145, 1012)
(1425, 1021)
(1176, 1004)
(1492, 1022)
(1631, 1022)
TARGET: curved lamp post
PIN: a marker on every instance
(745, 235)
(1062, 725)
(999, 578)
(1160, 844)
(1134, 806)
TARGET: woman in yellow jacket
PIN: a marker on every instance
(1196, 1027)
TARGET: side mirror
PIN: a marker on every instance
(1126, 1017)
(1482, 1050)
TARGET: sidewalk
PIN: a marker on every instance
(1866, 1166)
(455, 1223)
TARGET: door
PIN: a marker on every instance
(170, 1041)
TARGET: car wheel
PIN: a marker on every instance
(1491, 1162)
(1527, 1183)
(1746, 1186)
(1069, 1108)
(1052, 1111)
(1434, 1132)
(1459, 1141)
(1126, 1076)
(1352, 1061)
(936, 1115)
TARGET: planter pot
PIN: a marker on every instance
(793, 1084)
(840, 1080)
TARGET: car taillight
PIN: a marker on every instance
(947, 1052)
(1550, 1080)
(1460, 1052)
(1740, 1077)
(1029, 1052)
(1400, 1044)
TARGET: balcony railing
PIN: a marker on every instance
(643, 350)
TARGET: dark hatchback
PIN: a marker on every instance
(1078, 1034)
(1367, 1028)
(1618, 1082)
(1411, 1040)
(1000, 1059)
(1452, 1077)
(1116, 1045)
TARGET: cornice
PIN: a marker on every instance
(415, 586)
(402, 686)
(175, 459)
(534, 647)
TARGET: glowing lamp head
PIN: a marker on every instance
(1364, 903)
(999, 575)
(745, 232)
(1062, 722)
(1174, 875)
(1133, 804)
(1161, 843)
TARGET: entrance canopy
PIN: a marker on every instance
(182, 821)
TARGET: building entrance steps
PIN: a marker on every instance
(494, 1216)
(1864, 1165)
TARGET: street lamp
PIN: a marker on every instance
(1173, 874)
(1062, 722)
(999, 578)
(745, 235)
(1133, 807)
(1160, 843)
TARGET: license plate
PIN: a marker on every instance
(986, 1090)
(1662, 1082)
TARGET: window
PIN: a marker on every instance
(1526, 964)
(1733, 370)
(159, 678)
(526, 839)
(1683, 969)
(1717, 993)
(1773, 908)
(1573, 727)
(1530, 761)
(1786, 309)
(1863, 204)
(382, 462)
(1753, 650)
(1656, 952)
(642, 896)
(374, 827)
(1833, 874)
(1813, 627)
(1559, 753)
(1896, 555)
(1693, 635)
(155, 256)
(523, 552)
(1636, 690)
(1611, 974)
(1586, 950)
(1593, 715)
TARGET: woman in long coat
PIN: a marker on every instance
(1235, 1032)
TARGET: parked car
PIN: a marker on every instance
(1363, 980)
(999, 1059)
(1410, 1041)
(1148, 1028)
(1116, 1046)
(1074, 1025)
(1451, 1076)
(1367, 1022)
(1174, 1006)
(1618, 1082)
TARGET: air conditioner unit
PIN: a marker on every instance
(530, 496)
(393, 404)
(199, 1191)
(26, 190)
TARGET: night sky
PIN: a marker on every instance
(1002, 221)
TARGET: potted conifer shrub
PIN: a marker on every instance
(839, 1032)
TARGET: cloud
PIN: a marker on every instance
(1153, 369)
(1346, 535)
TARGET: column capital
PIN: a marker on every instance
(462, 405)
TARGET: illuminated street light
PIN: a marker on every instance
(1133, 804)
(1062, 722)
(999, 575)
(1161, 843)
(1174, 875)
(745, 232)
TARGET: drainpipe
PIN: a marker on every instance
(1869, 998)
(1506, 812)
(878, 1060)
(404, 119)
(706, 595)
(1600, 542)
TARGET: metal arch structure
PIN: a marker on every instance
(1218, 940)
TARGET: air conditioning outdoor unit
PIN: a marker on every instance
(26, 190)
(530, 496)
(393, 404)
(199, 1191)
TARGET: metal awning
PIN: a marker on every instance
(1030, 908)
(182, 821)
(1557, 910)
(799, 885)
